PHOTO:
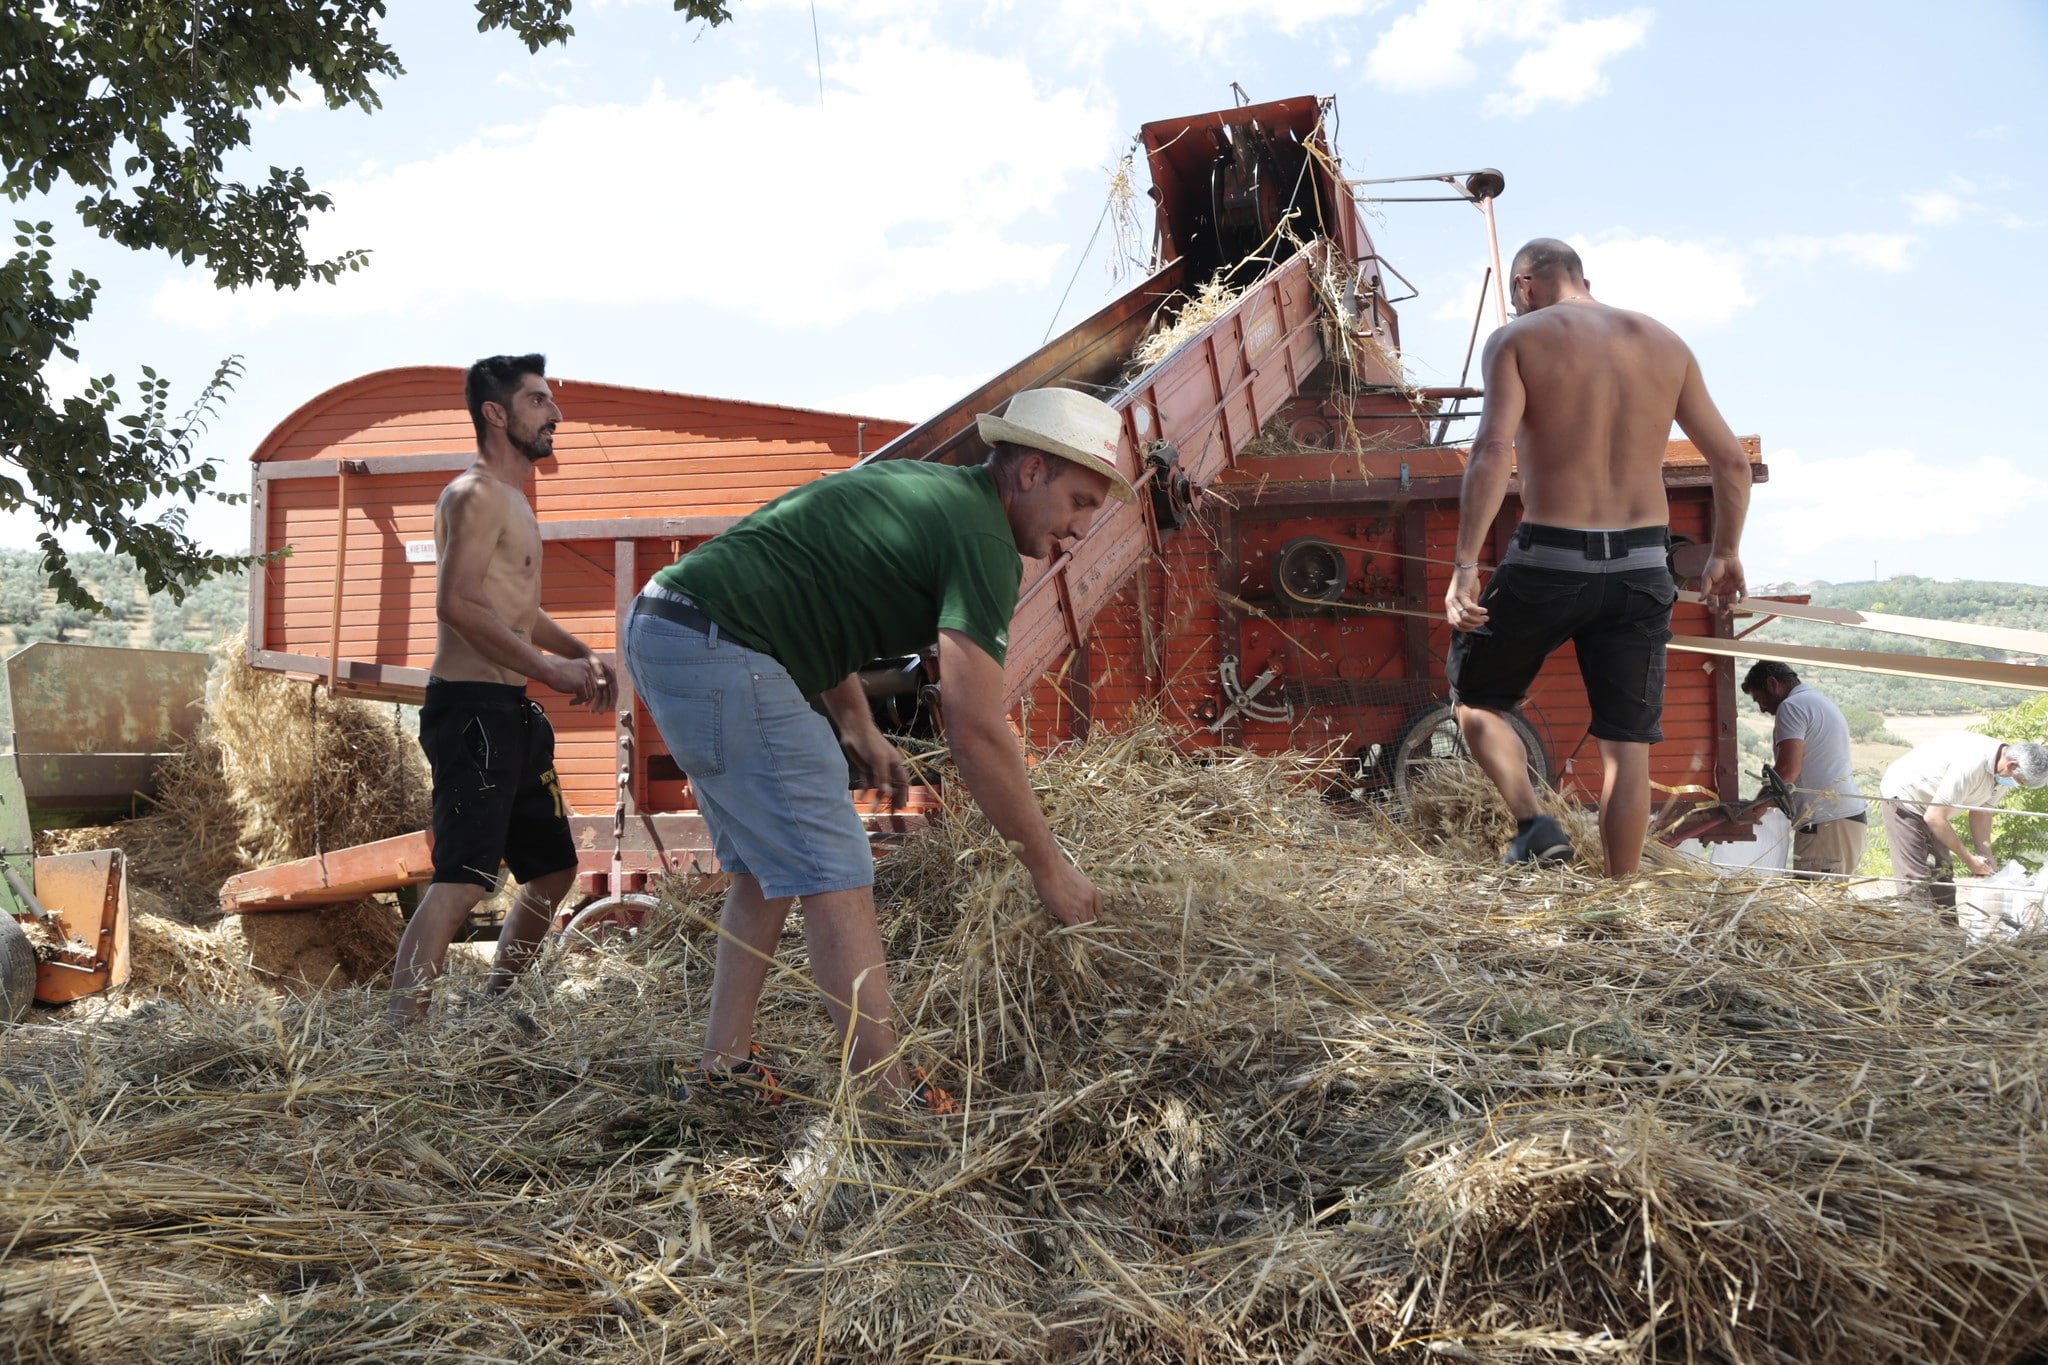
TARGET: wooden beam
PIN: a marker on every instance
(269, 470)
(2021, 677)
(638, 528)
(384, 682)
(1954, 632)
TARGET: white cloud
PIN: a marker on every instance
(1561, 62)
(1213, 28)
(1567, 68)
(1889, 497)
(1880, 251)
(1424, 49)
(1935, 208)
(731, 199)
(1681, 284)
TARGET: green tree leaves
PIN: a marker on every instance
(138, 104)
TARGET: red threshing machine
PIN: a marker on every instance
(1276, 586)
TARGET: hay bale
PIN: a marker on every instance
(317, 948)
(1310, 1090)
(301, 771)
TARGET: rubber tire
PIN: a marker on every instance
(1423, 728)
(17, 971)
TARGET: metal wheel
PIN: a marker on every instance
(609, 917)
(17, 971)
(1431, 737)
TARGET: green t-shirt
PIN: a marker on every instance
(860, 565)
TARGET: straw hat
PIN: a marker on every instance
(1065, 423)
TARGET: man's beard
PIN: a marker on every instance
(535, 447)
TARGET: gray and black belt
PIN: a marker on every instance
(1595, 545)
(686, 614)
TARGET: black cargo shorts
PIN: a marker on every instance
(1619, 624)
(496, 798)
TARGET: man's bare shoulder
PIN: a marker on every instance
(472, 493)
(1648, 324)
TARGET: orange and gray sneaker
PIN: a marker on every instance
(751, 1079)
(926, 1098)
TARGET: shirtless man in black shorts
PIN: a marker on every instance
(1581, 397)
(492, 750)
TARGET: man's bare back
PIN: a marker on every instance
(479, 517)
(1601, 386)
(1580, 399)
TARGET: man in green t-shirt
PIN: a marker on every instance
(728, 644)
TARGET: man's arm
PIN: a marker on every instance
(1980, 836)
(1486, 478)
(876, 760)
(1941, 823)
(549, 635)
(1721, 582)
(471, 524)
(994, 771)
(1789, 758)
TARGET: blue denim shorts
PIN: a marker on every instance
(769, 776)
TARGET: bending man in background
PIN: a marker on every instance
(728, 645)
(1959, 774)
(492, 750)
(1580, 399)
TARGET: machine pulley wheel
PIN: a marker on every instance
(1432, 737)
(1309, 569)
(17, 971)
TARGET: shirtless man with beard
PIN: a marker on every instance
(492, 750)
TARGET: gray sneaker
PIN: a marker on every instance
(1543, 843)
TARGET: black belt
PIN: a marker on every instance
(1861, 817)
(1594, 544)
(686, 614)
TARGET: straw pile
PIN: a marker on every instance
(270, 776)
(1310, 1090)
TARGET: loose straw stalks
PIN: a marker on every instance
(1314, 1087)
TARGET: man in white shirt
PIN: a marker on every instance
(1926, 789)
(1810, 751)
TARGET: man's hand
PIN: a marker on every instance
(1067, 892)
(604, 689)
(1721, 583)
(877, 763)
(1980, 864)
(1461, 600)
(573, 676)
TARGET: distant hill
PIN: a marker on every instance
(2017, 605)
(29, 611)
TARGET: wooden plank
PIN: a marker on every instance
(370, 466)
(2021, 677)
(1953, 632)
(344, 875)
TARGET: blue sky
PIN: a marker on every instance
(1842, 207)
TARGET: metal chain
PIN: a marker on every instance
(313, 718)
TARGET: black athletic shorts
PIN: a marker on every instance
(496, 799)
(1618, 622)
